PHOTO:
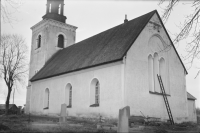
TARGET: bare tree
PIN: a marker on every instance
(13, 61)
(190, 28)
(8, 8)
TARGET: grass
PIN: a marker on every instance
(20, 123)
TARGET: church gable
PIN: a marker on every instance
(161, 42)
(152, 54)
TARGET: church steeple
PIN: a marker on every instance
(54, 10)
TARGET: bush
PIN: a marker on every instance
(3, 127)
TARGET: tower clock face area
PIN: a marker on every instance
(50, 35)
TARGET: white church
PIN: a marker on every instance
(101, 74)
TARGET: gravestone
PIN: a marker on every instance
(123, 120)
(63, 114)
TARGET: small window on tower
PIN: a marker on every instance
(39, 41)
(59, 9)
(49, 7)
(60, 41)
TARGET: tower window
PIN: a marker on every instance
(59, 9)
(49, 7)
(60, 41)
(39, 41)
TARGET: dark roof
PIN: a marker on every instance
(3, 106)
(105, 47)
(190, 97)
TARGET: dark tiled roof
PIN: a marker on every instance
(108, 46)
(190, 97)
(105, 47)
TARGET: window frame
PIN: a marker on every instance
(59, 9)
(95, 93)
(63, 41)
(159, 73)
(50, 8)
(46, 101)
(39, 41)
(70, 97)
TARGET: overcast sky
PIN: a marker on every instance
(92, 17)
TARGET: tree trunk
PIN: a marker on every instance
(8, 100)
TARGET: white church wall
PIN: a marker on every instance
(137, 83)
(109, 77)
(192, 111)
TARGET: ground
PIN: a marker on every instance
(24, 123)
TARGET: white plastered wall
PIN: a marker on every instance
(136, 81)
(109, 77)
(192, 116)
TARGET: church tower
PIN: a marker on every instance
(49, 36)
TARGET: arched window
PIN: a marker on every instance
(94, 93)
(39, 41)
(50, 7)
(162, 72)
(46, 99)
(157, 66)
(97, 93)
(150, 71)
(68, 95)
(156, 71)
(59, 9)
(60, 41)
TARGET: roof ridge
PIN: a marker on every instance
(111, 28)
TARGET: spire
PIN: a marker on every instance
(125, 20)
(54, 10)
